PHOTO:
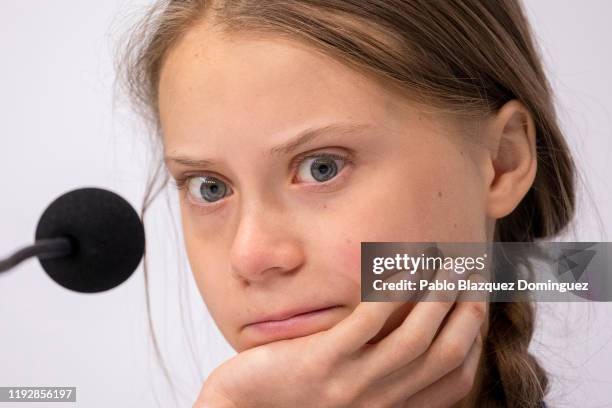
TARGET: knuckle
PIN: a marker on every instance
(479, 341)
(316, 368)
(452, 353)
(476, 309)
(414, 343)
(444, 305)
(465, 382)
(361, 404)
(368, 317)
(395, 351)
(337, 394)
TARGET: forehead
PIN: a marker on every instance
(240, 87)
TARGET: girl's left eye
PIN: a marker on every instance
(320, 167)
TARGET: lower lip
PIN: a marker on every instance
(292, 325)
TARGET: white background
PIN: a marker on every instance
(60, 130)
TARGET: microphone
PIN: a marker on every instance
(87, 240)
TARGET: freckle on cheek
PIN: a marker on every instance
(439, 194)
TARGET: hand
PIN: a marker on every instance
(415, 365)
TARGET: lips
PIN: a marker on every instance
(287, 314)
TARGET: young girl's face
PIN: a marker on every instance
(269, 231)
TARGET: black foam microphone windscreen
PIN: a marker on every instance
(107, 237)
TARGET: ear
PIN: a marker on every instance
(512, 162)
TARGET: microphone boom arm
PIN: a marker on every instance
(44, 248)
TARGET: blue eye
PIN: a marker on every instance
(205, 188)
(321, 168)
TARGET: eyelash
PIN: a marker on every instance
(181, 181)
(297, 162)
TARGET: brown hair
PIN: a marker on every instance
(465, 57)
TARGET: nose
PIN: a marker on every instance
(264, 246)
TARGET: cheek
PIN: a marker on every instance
(443, 203)
(204, 263)
(201, 252)
(214, 290)
(200, 268)
(349, 266)
(348, 259)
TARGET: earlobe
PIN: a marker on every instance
(513, 158)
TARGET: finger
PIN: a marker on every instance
(366, 320)
(391, 391)
(414, 336)
(453, 387)
(447, 352)
(350, 334)
(463, 326)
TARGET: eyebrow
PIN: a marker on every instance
(302, 138)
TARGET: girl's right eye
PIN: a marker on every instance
(206, 189)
